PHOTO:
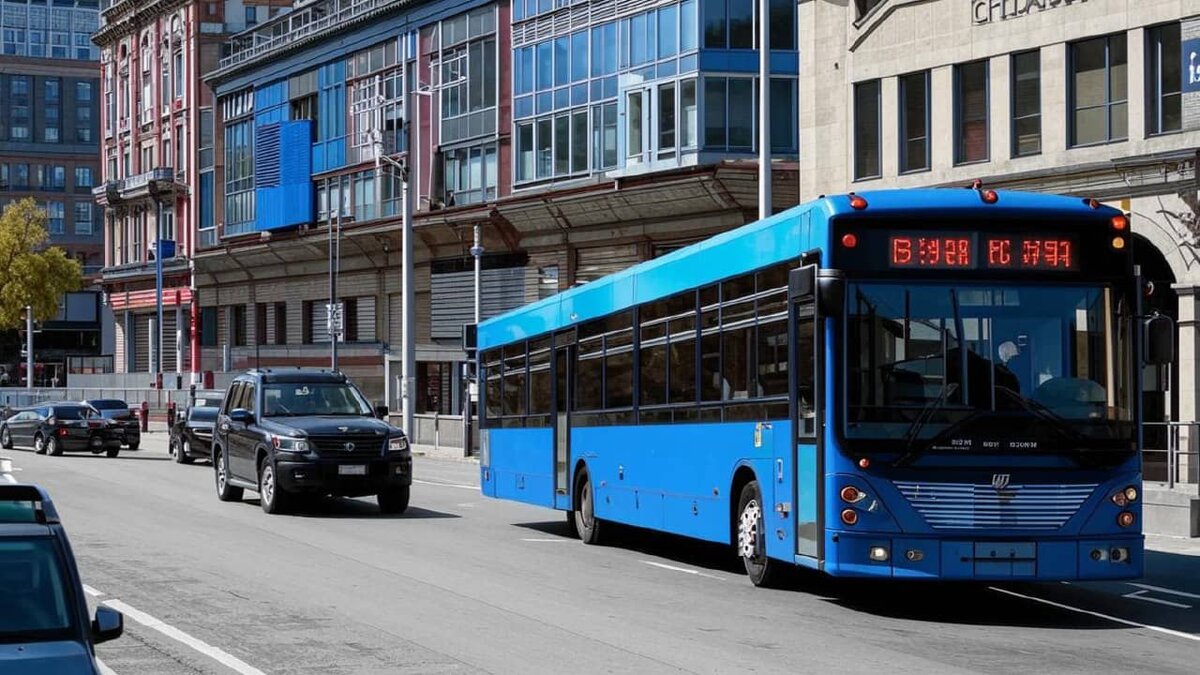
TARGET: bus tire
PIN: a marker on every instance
(587, 524)
(751, 542)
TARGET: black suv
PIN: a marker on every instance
(123, 417)
(44, 626)
(296, 431)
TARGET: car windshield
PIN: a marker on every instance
(204, 414)
(291, 399)
(987, 364)
(35, 601)
(109, 404)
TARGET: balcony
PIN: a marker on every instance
(300, 25)
(160, 184)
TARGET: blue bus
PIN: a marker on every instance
(922, 384)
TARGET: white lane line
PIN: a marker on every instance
(449, 485)
(1168, 591)
(103, 668)
(1141, 595)
(466, 505)
(91, 591)
(1108, 617)
(547, 539)
(215, 653)
(681, 569)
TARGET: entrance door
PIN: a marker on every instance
(564, 395)
(806, 401)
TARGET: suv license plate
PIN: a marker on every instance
(352, 470)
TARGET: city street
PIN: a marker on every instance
(464, 584)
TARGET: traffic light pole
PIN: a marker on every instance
(28, 347)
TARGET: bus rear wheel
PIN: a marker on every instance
(751, 538)
(587, 524)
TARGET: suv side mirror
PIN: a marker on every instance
(381, 411)
(109, 624)
(1158, 340)
(241, 416)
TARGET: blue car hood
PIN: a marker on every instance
(46, 658)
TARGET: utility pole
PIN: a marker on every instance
(156, 366)
(477, 253)
(28, 347)
(764, 109)
(331, 313)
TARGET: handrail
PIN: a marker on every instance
(1174, 452)
(321, 16)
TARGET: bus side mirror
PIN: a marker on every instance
(1158, 340)
(824, 287)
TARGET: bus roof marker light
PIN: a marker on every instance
(1120, 223)
(849, 240)
(857, 203)
(990, 197)
(1093, 203)
(864, 463)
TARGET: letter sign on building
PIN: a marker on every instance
(1189, 52)
(990, 11)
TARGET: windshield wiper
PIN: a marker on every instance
(1044, 413)
(914, 431)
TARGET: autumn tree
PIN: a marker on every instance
(31, 273)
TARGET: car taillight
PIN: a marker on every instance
(62, 431)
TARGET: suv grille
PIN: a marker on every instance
(365, 445)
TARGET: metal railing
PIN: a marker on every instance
(156, 400)
(301, 23)
(1171, 453)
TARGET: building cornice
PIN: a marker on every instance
(126, 17)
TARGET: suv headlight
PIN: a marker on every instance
(398, 444)
(285, 444)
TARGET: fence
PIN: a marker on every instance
(1171, 453)
(156, 399)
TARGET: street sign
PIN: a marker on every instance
(334, 319)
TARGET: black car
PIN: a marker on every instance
(191, 436)
(297, 431)
(54, 428)
(126, 420)
(44, 626)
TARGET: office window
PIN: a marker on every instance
(1099, 91)
(666, 116)
(783, 114)
(525, 152)
(635, 142)
(545, 148)
(281, 323)
(83, 217)
(1164, 82)
(866, 130)
(20, 176)
(688, 26)
(470, 175)
(715, 21)
(83, 91)
(604, 136)
(237, 325)
(729, 113)
(1026, 103)
(971, 112)
(54, 217)
(914, 121)
(83, 177)
(4, 176)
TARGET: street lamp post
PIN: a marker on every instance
(28, 347)
(764, 109)
(335, 254)
(156, 367)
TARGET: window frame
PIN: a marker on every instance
(856, 167)
(902, 123)
(1013, 117)
(960, 150)
(1154, 81)
(1072, 108)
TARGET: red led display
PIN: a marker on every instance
(1031, 253)
(931, 251)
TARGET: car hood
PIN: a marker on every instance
(318, 425)
(45, 658)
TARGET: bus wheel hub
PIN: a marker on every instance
(748, 527)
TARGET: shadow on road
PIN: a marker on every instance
(336, 507)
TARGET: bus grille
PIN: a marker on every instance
(969, 506)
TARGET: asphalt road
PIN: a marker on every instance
(463, 584)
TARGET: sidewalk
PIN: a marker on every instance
(1176, 545)
(443, 452)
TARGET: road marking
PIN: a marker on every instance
(1168, 591)
(103, 668)
(1115, 619)
(681, 569)
(450, 485)
(91, 591)
(547, 539)
(1141, 595)
(466, 505)
(215, 653)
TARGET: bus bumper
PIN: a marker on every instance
(1095, 558)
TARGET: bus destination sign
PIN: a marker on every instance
(975, 251)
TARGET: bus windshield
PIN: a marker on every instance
(976, 368)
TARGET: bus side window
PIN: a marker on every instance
(806, 376)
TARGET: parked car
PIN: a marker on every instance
(191, 436)
(44, 627)
(288, 432)
(55, 428)
(126, 420)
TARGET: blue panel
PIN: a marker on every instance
(523, 465)
(1190, 64)
(283, 175)
(746, 61)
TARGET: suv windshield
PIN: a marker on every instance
(989, 367)
(292, 399)
(35, 599)
(109, 404)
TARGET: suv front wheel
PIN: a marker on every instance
(394, 500)
(272, 498)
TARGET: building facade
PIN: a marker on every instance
(1078, 97)
(157, 160)
(578, 137)
(49, 144)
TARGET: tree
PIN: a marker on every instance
(31, 273)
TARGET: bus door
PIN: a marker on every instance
(805, 402)
(564, 396)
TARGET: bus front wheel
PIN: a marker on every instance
(586, 523)
(751, 541)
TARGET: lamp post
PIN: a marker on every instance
(764, 109)
(156, 367)
(28, 347)
(335, 254)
